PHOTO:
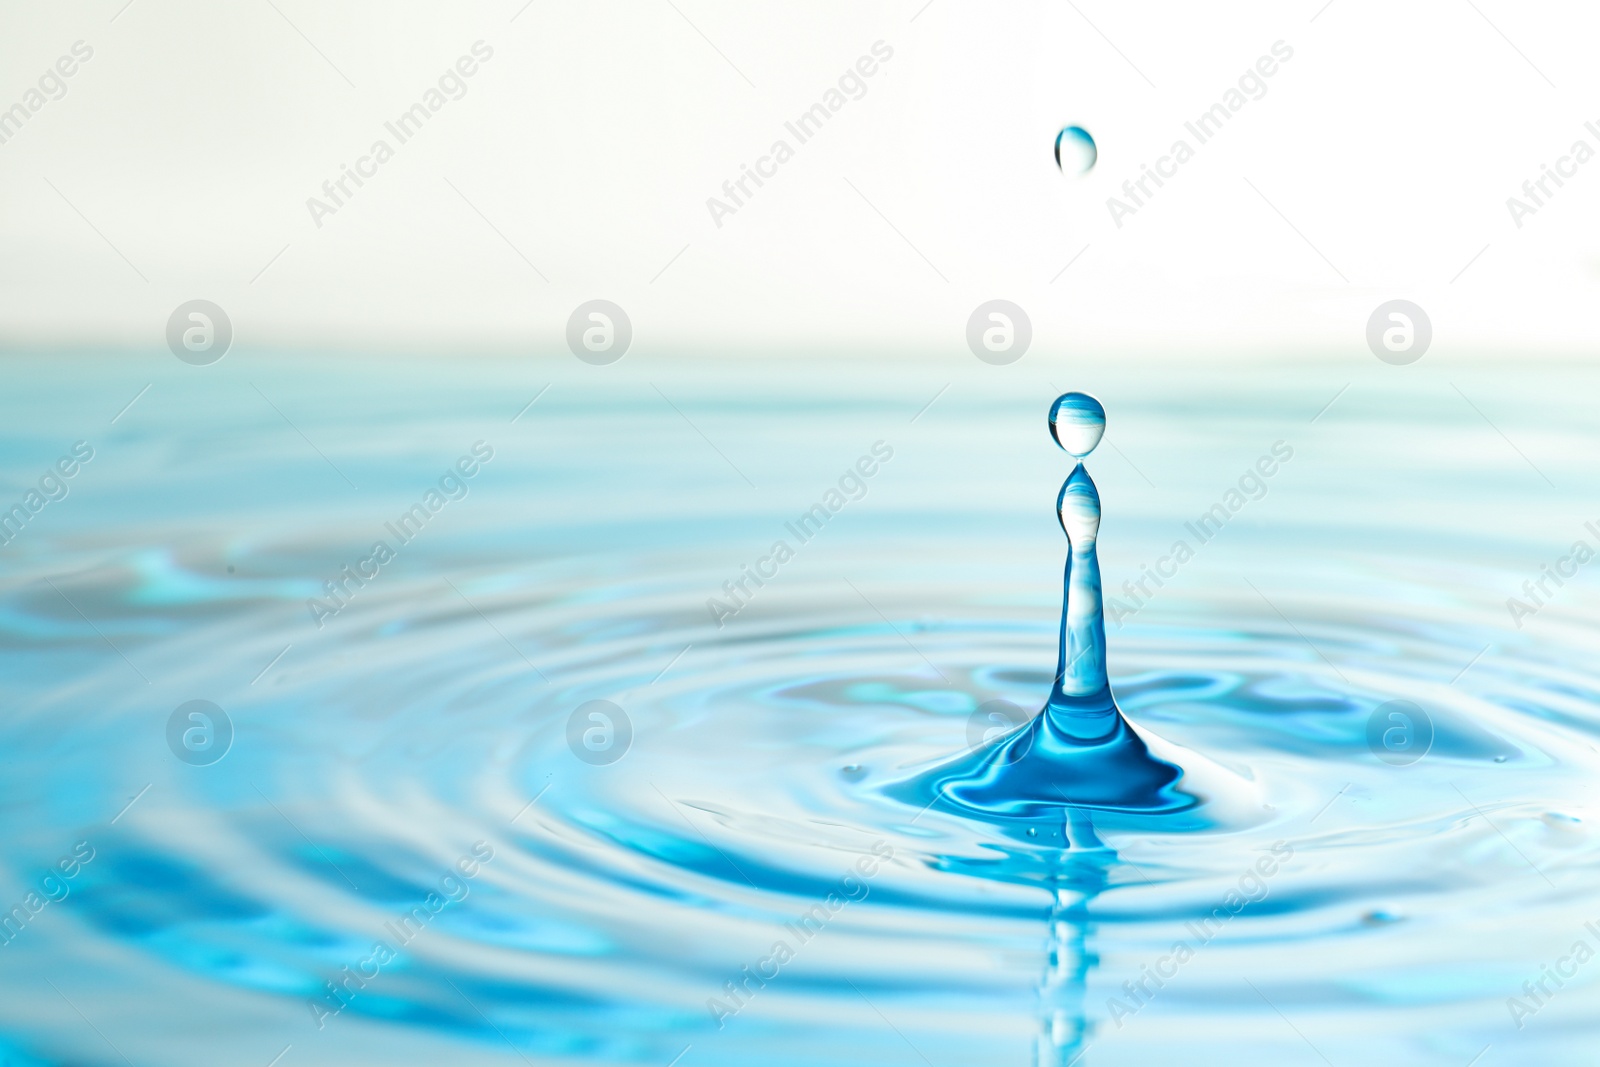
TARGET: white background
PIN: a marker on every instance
(591, 140)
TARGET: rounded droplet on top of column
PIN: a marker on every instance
(1077, 422)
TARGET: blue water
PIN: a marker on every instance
(422, 843)
(1078, 755)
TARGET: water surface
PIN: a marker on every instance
(558, 889)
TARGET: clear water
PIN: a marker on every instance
(1075, 151)
(426, 771)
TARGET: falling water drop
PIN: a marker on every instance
(1075, 151)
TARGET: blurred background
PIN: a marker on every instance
(578, 163)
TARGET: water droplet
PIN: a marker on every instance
(1078, 507)
(1499, 759)
(1077, 422)
(1379, 918)
(853, 772)
(1032, 832)
(1075, 151)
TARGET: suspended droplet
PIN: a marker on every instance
(1077, 422)
(1075, 151)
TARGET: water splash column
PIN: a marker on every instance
(1078, 752)
(1081, 705)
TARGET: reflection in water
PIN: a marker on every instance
(1079, 878)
